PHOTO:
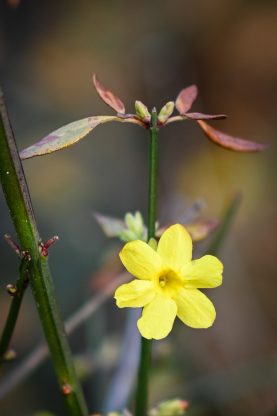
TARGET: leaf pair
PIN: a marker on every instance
(183, 104)
(73, 132)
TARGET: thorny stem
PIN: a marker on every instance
(19, 203)
(146, 344)
(9, 327)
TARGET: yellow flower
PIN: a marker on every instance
(167, 283)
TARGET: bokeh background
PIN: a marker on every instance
(147, 50)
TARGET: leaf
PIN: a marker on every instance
(186, 98)
(108, 97)
(230, 142)
(69, 134)
(201, 116)
(111, 227)
(201, 229)
(198, 230)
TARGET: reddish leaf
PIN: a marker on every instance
(108, 97)
(68, 135)
(230, 142)
(201, 229)
(198, 230)
(201, 116)
(186, 98)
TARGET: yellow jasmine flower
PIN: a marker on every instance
(167, 283)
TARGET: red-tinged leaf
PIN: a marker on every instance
(186, 98)
(201, 229)
(70, 134)
(198, 230)
(201, 116)
(230, 142)
(112, 227)
(108, 97)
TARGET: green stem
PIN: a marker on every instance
(146, 344)
(9, 327)
(19, 203)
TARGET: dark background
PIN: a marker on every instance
(148, 50)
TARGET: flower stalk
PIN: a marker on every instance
(20, 207)
(146, 344)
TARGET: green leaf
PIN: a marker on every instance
(69, 134)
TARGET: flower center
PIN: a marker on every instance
(169, 281)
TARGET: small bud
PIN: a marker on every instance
(11, 289)
(114, 414)
(175, 407)
(135, 228)
(43, 248)
(134, 222)
(66, 389)
(13, 244)
(166, 112)
(142, 112)
(9, 355)
(153, 243)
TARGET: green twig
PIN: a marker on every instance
(146, 344)
(10, 323)
(19, 203)
(40, 353)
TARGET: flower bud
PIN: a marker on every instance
(114, 414)
(135, 228)
(166, 112)
(11, 289)
(153, 243)
(142, 111)
(134, 222)
(175, 407)
(9, 355)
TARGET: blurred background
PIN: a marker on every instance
(147, 50)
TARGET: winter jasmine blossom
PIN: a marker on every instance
(167, 283)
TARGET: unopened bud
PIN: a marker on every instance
(11, 289)
(135, 228)
(134, 222)
(166, 112)
(114, 414)
(9, 355)
(153, 243)
(66, 389)
(142, 111)
(175, 407)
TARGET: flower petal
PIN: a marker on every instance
(194, 308)
(135, 294)
(157, 318)
(140, 260)
(205, 272)
(175, 246)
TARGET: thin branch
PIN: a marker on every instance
(39, 354)
(18, 199)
